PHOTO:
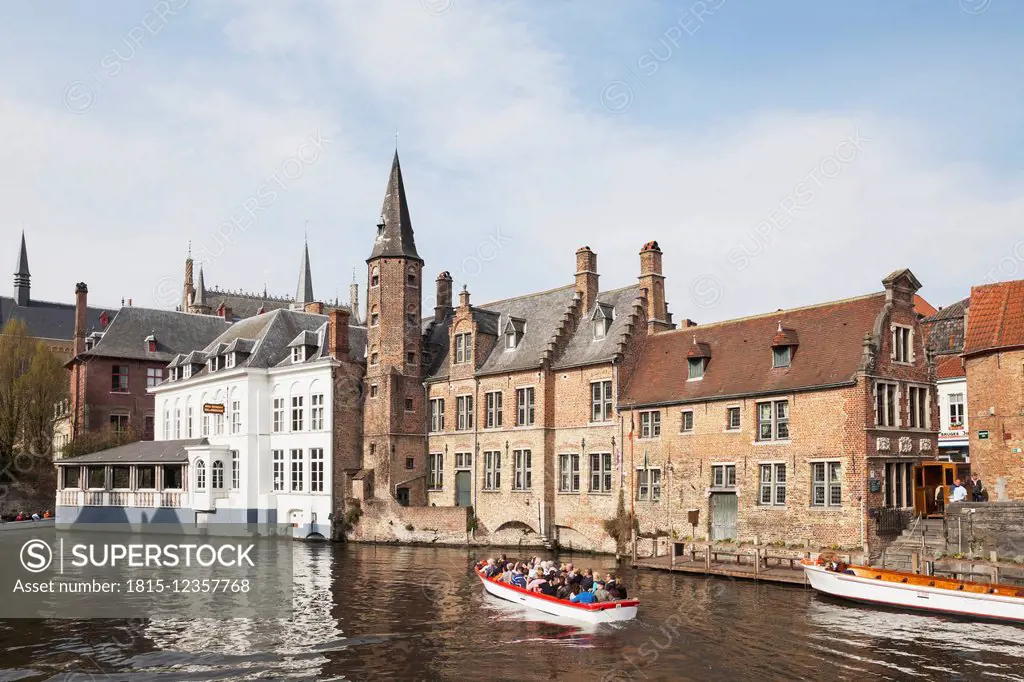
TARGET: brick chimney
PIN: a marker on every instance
(316, 308)
(586, 276)
(464, 297)
(81, 302)
(444, 296)
(337, 333)
(652, 282)
(224, 311)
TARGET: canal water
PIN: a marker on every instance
(400, 613)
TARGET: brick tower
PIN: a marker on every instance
(394, 414)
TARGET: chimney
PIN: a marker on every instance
(652, 282)
(464, 297)
(81, 296)
(444, 296)
(337, 332)
(586, 276)
(225, 312)
(317, 308)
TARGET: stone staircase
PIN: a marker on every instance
(924, 536)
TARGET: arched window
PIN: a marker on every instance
(374, 316)
(218, 475)
(177, 420)
(410, 276)
(188, 417)
(411, 316)
(374, 276)
(374, 355)
(200, 474)
(218, 419)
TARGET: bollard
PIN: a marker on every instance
(915, 562)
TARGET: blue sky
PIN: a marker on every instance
(527, 129)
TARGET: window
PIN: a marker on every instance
(601, 325)
(72, 477)
(218, 423)
(902, 344)
(826, 484)
(463, 460)
(435, 475)
(145, 477)
(463, 348)
(230, 360)
(410, 462)
(316, 470)
(297, 471)
(177, 422)
(236, 416)
(154, 375)
(773, 484)
(119, 423)
(733, 422)
(492, 470)
(375, 273)
(493, 403)
(119, 379)
(409, 405)
(464, 412)
(200, 475)
(600, 472)
(188, 420)
(279, 478)
(956, 410)
(917, 398)
(773, 420)
(524, 406)
(217, 481)
(781, 356)
(886, 400)
(696, 369)
(568, 473)
(316, 412)
(899, 484)
(650, 424)
(410, 357)
(723, 476)
(522, 472)
(298, 353)
(173, 476)
(206, 425)
(510, 339)
(373, 390)
(600, 401)
(437, 414)
(648, 484)
(148, 428)
(120, 477)
(278, 425)
(410, 279)
(167, 424)
(96, 477)
(374, 358)
(297, 413)
(686, 424)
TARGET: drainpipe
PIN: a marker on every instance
(426, 432)
(476, 428)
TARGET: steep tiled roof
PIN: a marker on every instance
(46, 320)
(949, 367)
(831, 337)
(996, 318)
(923, 307)
(174, 332)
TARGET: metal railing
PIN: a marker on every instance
(891, 521)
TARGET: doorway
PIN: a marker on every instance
(462, 489)
(402, 495)
(723, 516)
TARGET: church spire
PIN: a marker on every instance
(22, 277)
(304, 291)
(199, 304)
(394, 228)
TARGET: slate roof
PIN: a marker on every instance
(304, 290)
(996, 318)
(830, 349)
(48, 320)
(142, 452)
(583, 349)
(950, 367)
(396, 239)
(244, 304)
(175, 333)
(946, 328)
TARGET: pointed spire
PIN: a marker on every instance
(199, 295)
(304, 291)
(394, 229)
(22, 277)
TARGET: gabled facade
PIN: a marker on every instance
(786, 427)
(946, 332)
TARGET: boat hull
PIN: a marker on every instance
(915, 596)
(608, 612)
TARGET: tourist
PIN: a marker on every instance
(601, 594)
(564, 589)
(940, 499)
(491, 569)
(550, 587)
(518, 579)
(978, 490)
(581, 596)
(20, 516)
(587, 581)
(46, 514)
(617, 589)
(536, 582)
(36, 516)
(959, 491)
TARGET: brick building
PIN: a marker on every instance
(111, 371)
(946, 331)
(994, 360)
(785, 427)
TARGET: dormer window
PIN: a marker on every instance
(601, 328)
(463, 348)
(188, 371)
(696, 368)
(781, 356)
(212, 364)
(514, 332)
(783, 345)
(230, 360)
(151, 343)
(697, 359)
(298, 354)
(602, 320)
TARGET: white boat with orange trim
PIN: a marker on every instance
(898, 589)
(602, 612)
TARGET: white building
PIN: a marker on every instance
(260, 398)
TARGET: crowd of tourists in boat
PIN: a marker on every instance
(562, 581)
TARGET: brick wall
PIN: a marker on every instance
(94, 402)
(995, 403)
(984, 527)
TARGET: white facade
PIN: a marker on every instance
(953, 426)
(270, 452)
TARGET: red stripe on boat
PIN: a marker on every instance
(599, 606)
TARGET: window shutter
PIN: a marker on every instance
(913, 355)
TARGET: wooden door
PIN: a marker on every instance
(723, 516)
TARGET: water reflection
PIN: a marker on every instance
(364, 612)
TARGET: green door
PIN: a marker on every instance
(462, 489)
(723, 516)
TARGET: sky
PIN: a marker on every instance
(781, 154)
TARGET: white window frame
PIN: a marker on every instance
(236, 416)
(959, 404)
(435, 471)
(316, 470)
(728, 475)
(728, 418)
(775, 423)
(602, 473)
(902, 344)
(650, 424)
(298, 469)
(768, 482)
(280, 478)
(522, 469)
(436, 415)
(682, 421)
(278, 424)
(918, 397)
(298, 414)
(493, 408)
(298, 354)
(695, 368)
(648, 484)
(236, 474)
(492, 470)
(881, 392)
(826, 485)
(464, 412)
(601, 403)
(526, 405)
(568, 473)
(316, 412)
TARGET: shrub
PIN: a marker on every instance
(353, 512)
(409, 526)
(618, 527)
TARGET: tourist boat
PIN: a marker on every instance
(898, 589)
(604, 612)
